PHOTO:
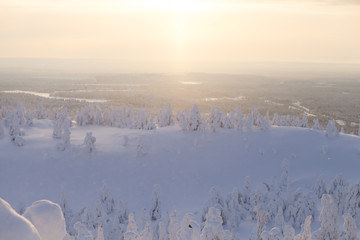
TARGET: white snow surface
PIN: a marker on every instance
(48, 219)
(184, 164)
(14, 226)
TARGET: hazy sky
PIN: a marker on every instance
(182, 30)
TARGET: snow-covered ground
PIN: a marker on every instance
(183, 165)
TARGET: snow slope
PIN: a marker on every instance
(185, 164)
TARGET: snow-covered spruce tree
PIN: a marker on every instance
(41, 113)
(304, 121)
(352, 200)
(82, 233)
(65, 134)
(239, 119)
(20, 113)
(146, 232)
(165, 117)
(260, 224)
(306, 230)
(174, 225)
(329, 223)
(317, 126)
(214, 120)
(279, 219)
(217, 201)
(246, 197)
(68, 214)
(162, 231)
(195, 122)
(331, 130)
(289, 233)
(99, 119)
(100, 234)
(132, 229)
(226, 121)
(15, 132)
(189, 228)
(276, 120)
(155, 210)
(338, 189)
(350, 231)
(89, 142)
(86, 217)
(106, 201)
(249, 122)
(302, 206)
(235, 209)
(8, 118)
(320, 188)
(29, 116)
(213, 228)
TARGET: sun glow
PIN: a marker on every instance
(174, 5)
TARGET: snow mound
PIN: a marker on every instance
(14, 226)
(48, 219)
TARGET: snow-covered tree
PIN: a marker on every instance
(306, 230)
(155, 211)
(100, 234)
(146, 233)
(215, 118)
(352, 200)
(289, 233)
(331, 130)
(29, 118)
(132, 229)
(304, 121)
(89, 142)
(174, 225)
(302, 206)
(195, 122)
(165, 117)
(213, 228)
(279, 219)
(41, 113)
(67, 212)
(329, 223)
(217, 201)
(162, 231)
(99, 119)
(338, 189)
(316, 125)
(350, 231)
(260, 223)
(82, 233)
(320, 188)
(65, 134)
(20, 113)
(234, 209)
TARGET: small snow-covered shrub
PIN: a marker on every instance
(89, 142)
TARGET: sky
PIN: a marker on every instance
(182, 31)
